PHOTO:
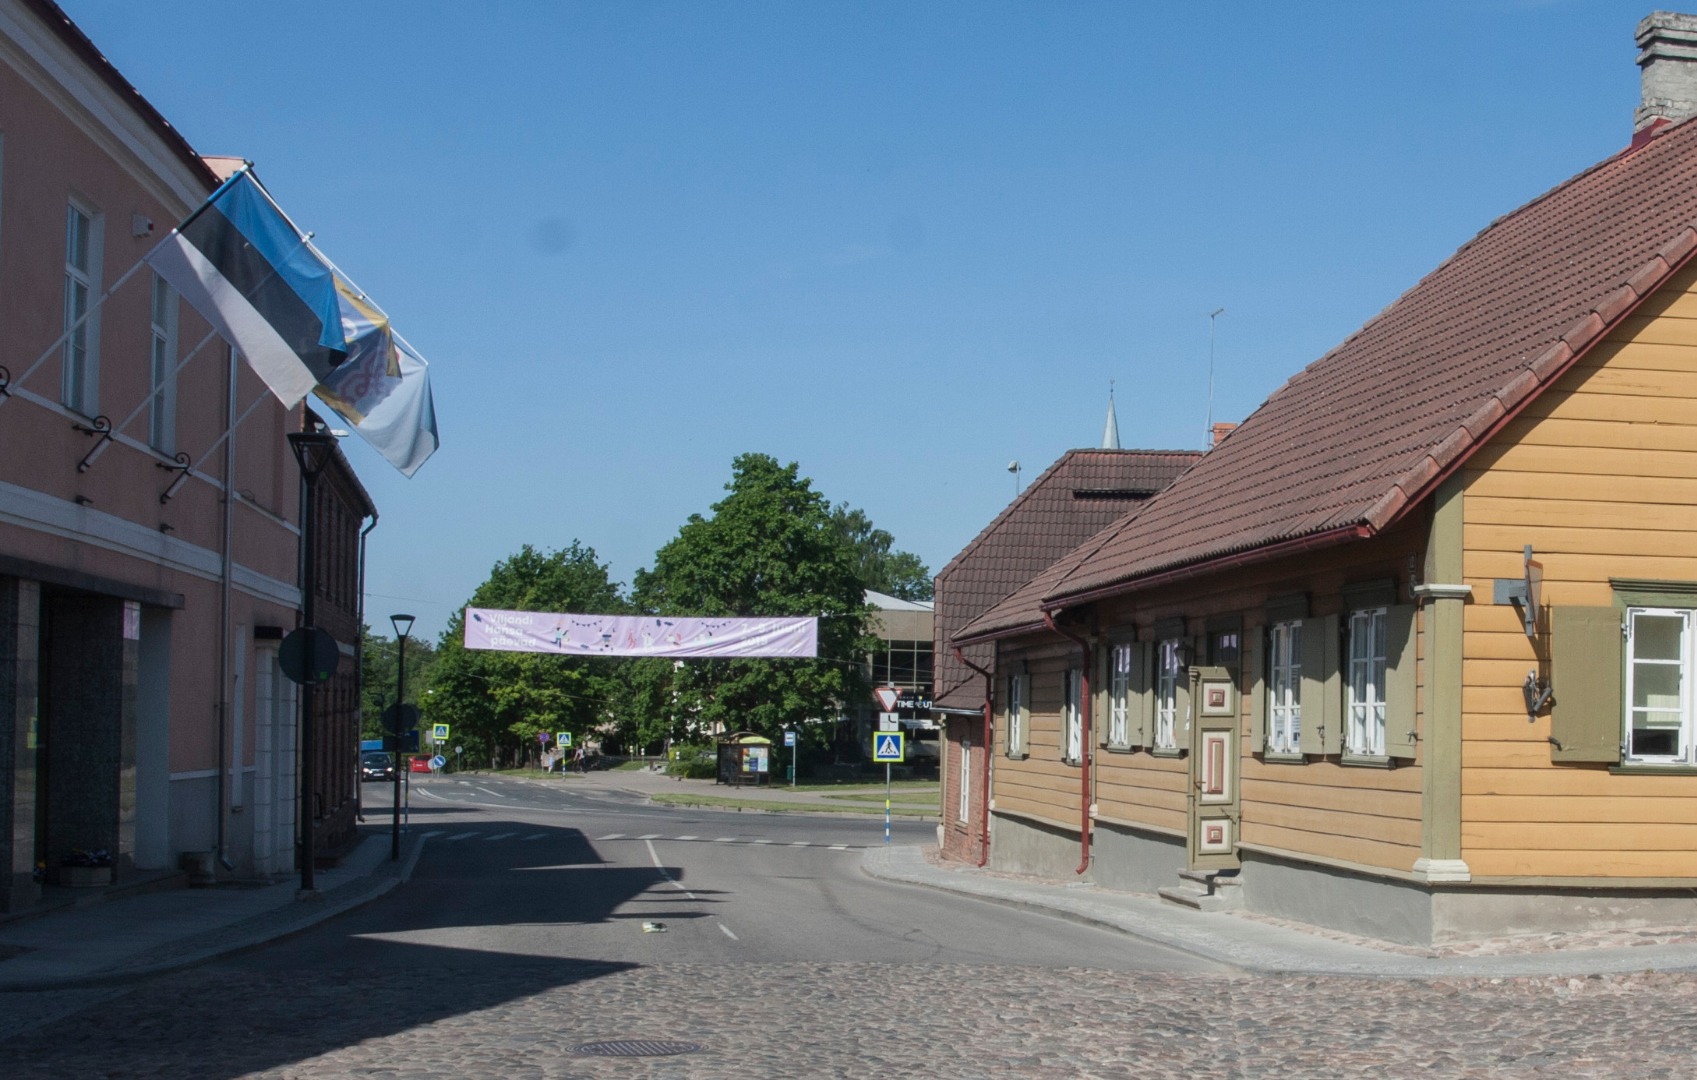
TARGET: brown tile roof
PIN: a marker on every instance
(1361, 435)
(1073, 498)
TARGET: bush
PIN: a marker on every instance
(693, 762)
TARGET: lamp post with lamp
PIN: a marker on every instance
(403, 627)
(313, 450)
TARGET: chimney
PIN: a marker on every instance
(1667, 43)
(1221, 430)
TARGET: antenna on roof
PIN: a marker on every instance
(1013, 467)
(1209, 429)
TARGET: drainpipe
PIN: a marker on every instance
(989, 705)
(359, 667)
(1084, 737)
(224, 619)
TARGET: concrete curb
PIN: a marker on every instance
(1247, 944)
(268, 926)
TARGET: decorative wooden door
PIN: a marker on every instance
(1213, 801)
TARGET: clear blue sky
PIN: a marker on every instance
(899, 243)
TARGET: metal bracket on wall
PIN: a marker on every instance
(1537, 693)
(101, 427)
(181, 468)
(1523, 592)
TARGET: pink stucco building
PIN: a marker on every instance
(149, 571)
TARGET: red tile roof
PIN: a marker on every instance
(1073, 498)
(1359, 437)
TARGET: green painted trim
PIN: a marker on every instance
(1270, 758)
(1653, 770)
(1379, 592)
(1642, 592)
(1367, 761)
(1287, 608)
(1443, 622)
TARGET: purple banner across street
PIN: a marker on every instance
(639, 635)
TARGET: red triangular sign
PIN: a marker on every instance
(887, 696)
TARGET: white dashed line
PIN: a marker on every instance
(503, 836)
(496, 794)
(689, 838)
(839, 847)
(462, 836)
(433, 832)
(655, 855)
(649, 836)
(536, 836)
(727, 932)
(760, 841)
(800, 843)
(725, 840)
(614, 836)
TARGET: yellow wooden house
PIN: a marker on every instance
(1413, 651)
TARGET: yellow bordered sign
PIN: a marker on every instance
(889, 747)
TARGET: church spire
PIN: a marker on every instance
(1111, 431)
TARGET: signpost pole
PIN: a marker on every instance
(793, 741)
(886, 802)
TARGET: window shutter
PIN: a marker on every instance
(1181, 709)
(1142, 718)
(1322, 687)
(1255, 665)
(1099, 707)
(1400, 680)
(1585, 672)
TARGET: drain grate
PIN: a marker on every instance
(635, 1048)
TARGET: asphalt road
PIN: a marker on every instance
(518, 949)
(519, 868)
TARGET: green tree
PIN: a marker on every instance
(769, 548)
(377, 677)
(498, 702)
(881, 568)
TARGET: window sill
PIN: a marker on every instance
(1281, 757)
(1366, 761)
(1640, 768)
(1110, 748)
(1018, 756)
(1166, 751)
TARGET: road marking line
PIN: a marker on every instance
(800, 843)
(727, 931)
(503, 836)
(649, 836)
(463, 783)
(614, 836)
(655, 855)
(434, 832)
(725, 840)
(760, 841)
(689, 838)
(496, 794)
(536, 836)
(839, 847)
(462, 836)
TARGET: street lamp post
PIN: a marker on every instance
(312, 451)
(403, 627)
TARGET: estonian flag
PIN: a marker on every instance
(302, 325)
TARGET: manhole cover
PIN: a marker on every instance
(635, 1048)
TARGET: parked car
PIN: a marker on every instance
(421, 764)
(376, 765)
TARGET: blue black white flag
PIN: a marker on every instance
(302, 325)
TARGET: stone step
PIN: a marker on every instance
(1198, 900)
(1211, 880)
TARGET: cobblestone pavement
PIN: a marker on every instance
(521, 1018)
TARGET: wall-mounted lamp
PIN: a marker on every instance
(1537, 693)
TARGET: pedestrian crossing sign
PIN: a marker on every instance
(888, 747)
(564, 738)
(439, 733)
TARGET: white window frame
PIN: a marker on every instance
(1120, 658)
(1072, 716)
(80, 354)
(1365, 674)
(1016, 710)
(1683, 712)
(162, 357)
(965, 777)
(1169, 668)
(1284, 687)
